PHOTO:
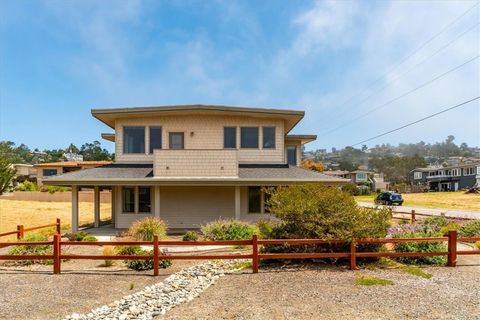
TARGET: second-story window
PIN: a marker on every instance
(230, 137)
(268, 137)
(176, 140)
(134, 140)
(249, 137)
(155, 138)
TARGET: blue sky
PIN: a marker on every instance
(59, 59)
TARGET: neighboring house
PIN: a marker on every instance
(362, 178)
(24, 172)
(189, 165)
(449, 178)
(48, 169)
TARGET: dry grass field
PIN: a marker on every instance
(441, 200)
(36, 213)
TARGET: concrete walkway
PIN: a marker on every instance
(428, 211)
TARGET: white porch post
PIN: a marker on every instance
(96, 205)
(237, 202)
(74, 223)
(156, 200)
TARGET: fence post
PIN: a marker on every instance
(413, 216)
(59, 229)
(254, 254)
(56, 253)
(20, 232)
(452, 248)
(353, 255)
(155, 255)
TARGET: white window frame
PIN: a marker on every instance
(136, 202)
(417, 175)
(456, 172)
(469, 171)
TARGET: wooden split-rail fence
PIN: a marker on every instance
(255, 256)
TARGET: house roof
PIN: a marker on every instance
(109, 136)
(304, 138)
(130, 174)
(72, 163)
(109, 115)
(462, 165)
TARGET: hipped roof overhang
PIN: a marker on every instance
(109, 115)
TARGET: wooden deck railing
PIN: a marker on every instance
(255, 255)
(21, 230)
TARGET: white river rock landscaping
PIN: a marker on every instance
(157, 299)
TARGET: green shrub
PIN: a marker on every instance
(351, 189)
(140, 265)
(108, 251)
(53, 189)
(146, 228)
(27, 186)
(421, 247)
(265, 228)
(477, 244)
(435, 222)
(470, 229)
(77, 236)
(190, 236)
(32, 250)
(89, 238)
(228, 230)
(452, 226)
(319, 212)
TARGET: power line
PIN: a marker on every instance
(417, 121)
(416, 65)
(374, 82)
(400, 96)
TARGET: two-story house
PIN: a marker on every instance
(192, 164)
(449, 178)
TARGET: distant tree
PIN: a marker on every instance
(94, 152)
(14, 154)
(73, 149)
(7, 172)
(315, 166)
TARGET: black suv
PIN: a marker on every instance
(389, 198)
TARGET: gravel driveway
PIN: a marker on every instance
(331, 293)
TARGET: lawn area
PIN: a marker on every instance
(448, 200)
(36, 213)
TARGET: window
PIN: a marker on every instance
(292, 155)
(176, 140)
(417, 175)
(155, 138)
(144, 200)
(136, 200)
(469, 171)
(249, 137)
(230, 137)
(134, 140)
(455, 172)
(49, 172)
(128, 199)
(269, 137)
(254, 199)
(361, 176)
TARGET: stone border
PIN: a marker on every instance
(157, 299)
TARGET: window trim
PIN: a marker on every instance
(417, 175)
(263, 199)
(170, 134)
(144, 140)
(296, 154)
(150, 148)
(274, 137)
(236, 133)
(258, 138)
(49, 175)
(471, 171)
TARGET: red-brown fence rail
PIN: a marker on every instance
(255, 256)
(21, 230)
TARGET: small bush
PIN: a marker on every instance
(80, 236)
(470, 229)
(89, 238)
(452, 226)
(477, 244)
(228, 230)
(32, 250)
(53, 189)
(146, 228)
(265, 228)
(421, 247)
(108, 251)
(351, 189)
(435, 222)
(190, 236)
(27, 186)
(140, 265)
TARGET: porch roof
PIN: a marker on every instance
(134, 174)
